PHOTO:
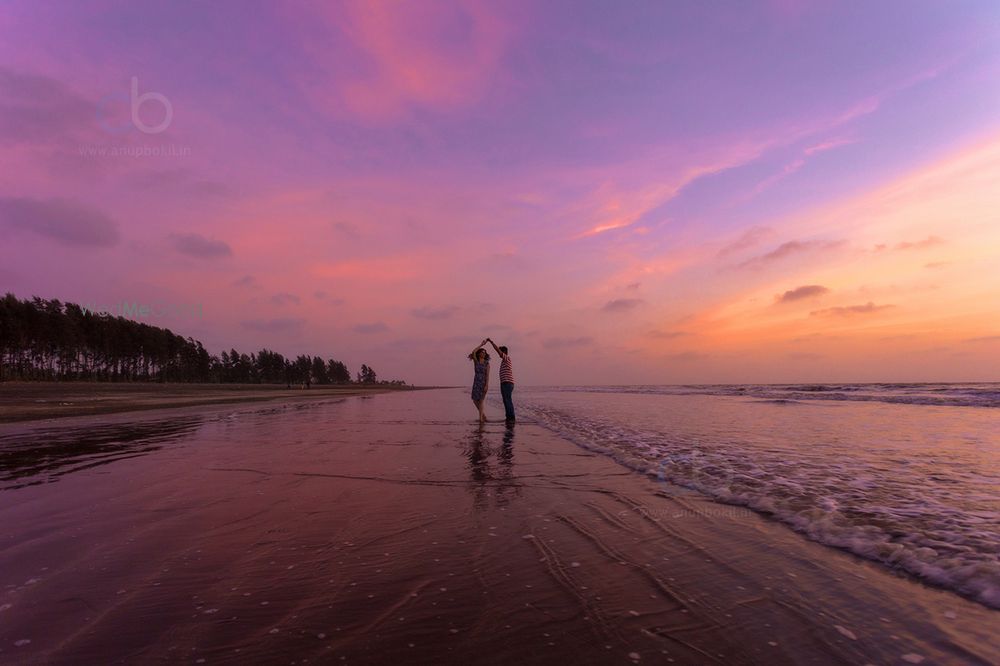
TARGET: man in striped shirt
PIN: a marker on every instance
(506, 380)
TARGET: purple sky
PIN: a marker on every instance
(624, 193)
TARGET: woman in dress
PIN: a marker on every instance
(481, 382)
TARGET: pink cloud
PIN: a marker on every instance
(830, 144)
(379, 269)
(746, 240)
(620, 305)
(792, 249)
(65, 222)
(613, 205)
(428, 55)
(801, 293)
(796, 164)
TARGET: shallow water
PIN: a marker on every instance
(906, 475)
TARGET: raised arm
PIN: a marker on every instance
(472, 354)
(489, 340)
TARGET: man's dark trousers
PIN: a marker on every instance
(506, 389)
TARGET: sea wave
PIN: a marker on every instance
(880, 510)
(944, 395)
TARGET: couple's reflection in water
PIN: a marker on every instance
(490, 457)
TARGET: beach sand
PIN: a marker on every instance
(393, 529)
(30, 401)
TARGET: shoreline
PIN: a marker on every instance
(26, 401)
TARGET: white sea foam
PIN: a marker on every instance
(917, 491)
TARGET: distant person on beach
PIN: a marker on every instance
(506, 380)
(481, 381)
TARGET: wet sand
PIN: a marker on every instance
(393, 529)
(30, 401)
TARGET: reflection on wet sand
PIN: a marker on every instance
(36, 456)
(491, 478)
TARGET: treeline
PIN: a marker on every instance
(49, 340)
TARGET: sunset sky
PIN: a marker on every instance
(663, 192)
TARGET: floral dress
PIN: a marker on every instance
(479, 383)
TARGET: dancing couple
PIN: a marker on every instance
(481, 382)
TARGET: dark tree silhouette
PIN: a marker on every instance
(337, 372)
(50, 340)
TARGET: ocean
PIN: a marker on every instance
(907, 475)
